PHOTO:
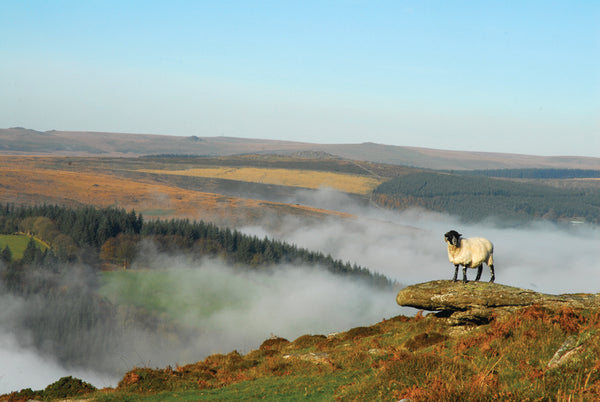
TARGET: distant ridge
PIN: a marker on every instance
(23, 141)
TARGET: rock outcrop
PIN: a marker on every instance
(476, 302)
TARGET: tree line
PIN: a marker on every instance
(474, 198)
(531, 173)
(98, 236)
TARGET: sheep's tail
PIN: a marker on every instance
(490, 260)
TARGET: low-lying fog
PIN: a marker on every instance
(407, 247)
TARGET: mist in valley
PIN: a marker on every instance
(409, 246)
(218, 308)
(205, 307)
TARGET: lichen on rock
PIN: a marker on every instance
(477, 302)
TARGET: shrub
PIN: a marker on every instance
(24, 395)
(306, 341)
(274, 343)
(67, 387)
(146, 380)
(361, 332)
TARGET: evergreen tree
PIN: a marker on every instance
(6, 254)
(86, 233)
(32, 253)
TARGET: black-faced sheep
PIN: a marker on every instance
(470, 253)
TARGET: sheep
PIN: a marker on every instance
(470, 253)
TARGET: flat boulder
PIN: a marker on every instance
(474, 302)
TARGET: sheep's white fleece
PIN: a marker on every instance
(472, 252)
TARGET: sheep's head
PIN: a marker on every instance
(453, 237)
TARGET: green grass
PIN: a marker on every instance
(286, 388)
(183, 294)
(18, 244)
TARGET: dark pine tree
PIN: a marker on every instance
(6, 254)
(32, 253)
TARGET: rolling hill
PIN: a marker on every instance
(126, 183)
(247, 189)
(22, 141)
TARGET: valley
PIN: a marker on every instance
(212, 302)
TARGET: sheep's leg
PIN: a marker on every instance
(493, 274)
(465, 274)
(455, 272)
(479, 269)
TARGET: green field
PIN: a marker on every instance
(18, 244)
(183, 294)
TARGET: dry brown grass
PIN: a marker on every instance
(348, 183)
(22, 180)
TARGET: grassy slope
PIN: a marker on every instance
(105, 182)
(239, 190)
(18, 244)
(25, 141)
(353, 184)
(420, 358)
(242, 189)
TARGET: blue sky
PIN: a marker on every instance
(499, 76)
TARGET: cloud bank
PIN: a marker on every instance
(231, 310)
(409, 246)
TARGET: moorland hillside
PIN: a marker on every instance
(524, 350)
(23, 141)
(539, 350)
(241, 190)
